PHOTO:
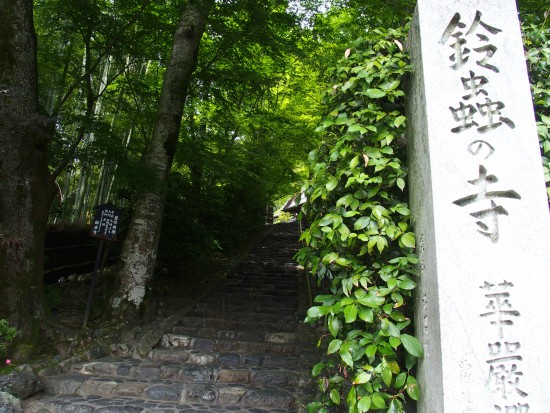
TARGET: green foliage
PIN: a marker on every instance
(7, 335)
(359, 238)
(537, 50)
(247, 124)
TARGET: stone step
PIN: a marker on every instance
(253, 299)
(232, 324)
(244, 316)
(259, 307)
(265, 288)
(224, 341)
(248, 290)
(209, 394)
(148, 370)
(77, 404)
(259, 288)
(210, 358)
(252, 302)
(256, 264)
(267, 271)
(267, 256)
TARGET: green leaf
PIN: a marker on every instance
(343, 229)
(375, 93)
(412, 388)
(390, 85)
(372, 153)
(405, 212)
(371, 350)
(394, 342)
(333, 325)
(332, 184)
(335, 396)
(314, 407)
(407, 284)
(394, 407)
(342, 120)
(331, 257)
(350, 313)
(317, 369)
(354, 162)
(361, 223)
(381, 243)
(386, 375)
(398, 316)
(393, 330)
(357, 128)
(377, 211)
(378, 401)
(400, 380)
(362, 377)
(399, 121)
(314, 312)
(364, 404)
(334, 346)
(366, 314)
(346, 200)
(344, 262)
(412, 345)
(408, 240)
(371, 300)
(351, 398)
(400, 183)
(410, 361)
(345, 355)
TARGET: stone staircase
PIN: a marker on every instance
(242, 348)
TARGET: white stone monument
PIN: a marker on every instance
(480, 210)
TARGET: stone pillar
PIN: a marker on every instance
(480, 210)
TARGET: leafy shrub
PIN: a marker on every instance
(7, 335)
(359, 238)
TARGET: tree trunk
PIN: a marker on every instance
(26, 188)
(139, 251)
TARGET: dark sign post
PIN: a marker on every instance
(104, 227)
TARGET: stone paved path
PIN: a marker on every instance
(241, 348)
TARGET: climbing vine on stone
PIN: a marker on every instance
(359, 242)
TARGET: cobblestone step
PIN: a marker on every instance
(95, 404)
(177, 372)
(209, 358)
(230, 341)
(252, 304)
(233, 324)
(252, 299)
(221, 394)
(277, 275)
(236, 287)
(245, 316)
(256, 306)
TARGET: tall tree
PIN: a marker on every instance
(140, 246)
(26, 187)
